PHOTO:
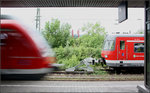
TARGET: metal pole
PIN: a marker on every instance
(38, 19)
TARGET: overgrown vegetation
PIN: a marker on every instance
(70, 51)
(71, 56)
(56, 34)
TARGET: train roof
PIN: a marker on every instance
(113, 36)
(127, 35)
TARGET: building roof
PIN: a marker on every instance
(69, 3)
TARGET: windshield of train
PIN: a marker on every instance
(108, 45)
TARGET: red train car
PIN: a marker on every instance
(123, 51)
(23, 51)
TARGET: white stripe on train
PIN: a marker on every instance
(125, 61)
(26, 71)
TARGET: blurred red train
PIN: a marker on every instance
(24, 52)
(123, 51)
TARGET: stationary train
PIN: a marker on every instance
(123, 51)
(24, 52)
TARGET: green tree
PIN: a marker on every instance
(93, 29)
(94, 37)
(56, 34)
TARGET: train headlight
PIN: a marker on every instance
(106, 56)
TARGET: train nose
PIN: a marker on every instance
(56, 66)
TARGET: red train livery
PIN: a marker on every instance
(123, 51)
(23, 51)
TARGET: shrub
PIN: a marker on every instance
(71, 56)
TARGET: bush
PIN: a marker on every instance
(71, 56)
(70, 51)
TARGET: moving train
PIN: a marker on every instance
(24, 52)
(123, 51)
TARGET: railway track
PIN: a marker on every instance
(108, 70)
(92, 77)
(126, 75)
(84, 76)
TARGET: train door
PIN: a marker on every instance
(121, 49)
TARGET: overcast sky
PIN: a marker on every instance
(77, 17)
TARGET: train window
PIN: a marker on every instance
(109, 45)
(122, 45)
(139, 47)
(113, 45)
(3, 37)
(7, 30)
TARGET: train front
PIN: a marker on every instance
(24, 51)
(108, 52)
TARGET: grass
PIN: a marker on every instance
(98, 70)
